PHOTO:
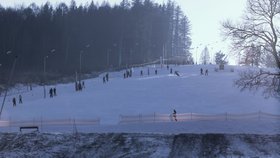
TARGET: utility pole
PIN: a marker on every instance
(45, 60)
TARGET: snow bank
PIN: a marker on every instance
(138, 145)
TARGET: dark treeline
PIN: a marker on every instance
(102, 36)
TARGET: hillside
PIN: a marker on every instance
(148, 94)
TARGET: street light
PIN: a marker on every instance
(196, 53)
(80, 63)
(45, 64)
(81, 52)
(45, 60)
(9, 52)
(108, 58)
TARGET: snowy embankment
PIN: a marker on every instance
(138, 145)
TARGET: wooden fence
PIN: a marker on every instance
(150, 118)
(43, 123)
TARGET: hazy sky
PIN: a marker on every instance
(205, 17)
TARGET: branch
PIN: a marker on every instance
(254, 80)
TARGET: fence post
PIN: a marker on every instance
(120, 119)
(226, 116)
(10, 123)
(41, 124)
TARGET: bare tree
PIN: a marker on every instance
(260, 27)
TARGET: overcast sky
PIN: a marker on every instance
(205, 17)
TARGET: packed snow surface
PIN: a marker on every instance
(190, 92)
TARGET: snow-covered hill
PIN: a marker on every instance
(188, 93)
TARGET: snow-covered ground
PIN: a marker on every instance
(188, 93)
(123, 145)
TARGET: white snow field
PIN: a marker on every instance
(190, 93)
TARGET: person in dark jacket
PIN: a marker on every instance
(76, 86)
(54, 91)
(20, 99)
(14, 102)
(175, 115)
(51, 93)
(83, 83)
(104, 79)
(107, 77)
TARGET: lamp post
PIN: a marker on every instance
(45, 60)
(108, 58)
(80, 61)
(45, 64)
(80, 67)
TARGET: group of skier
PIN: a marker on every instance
(79, 86)
(106, 78)
(52, 92)
(201, 72)
(14, 100)
(127, 73)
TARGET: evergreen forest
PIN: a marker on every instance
(66, 39)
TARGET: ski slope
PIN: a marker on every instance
(147, 94)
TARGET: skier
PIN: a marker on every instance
(14, 102)
(20, 99)
(141, 72)
(80, 86)
(156, 72)
(76, 86)
(201, 71)
(54, 91)
(171, 71)
(107, 77)
(51, 93)
(206, 72)
(127, 73)
(148, 71)
(104, 80)
(174, 115)
(83, 83)
(130, 73)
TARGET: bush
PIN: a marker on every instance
(216, 69)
